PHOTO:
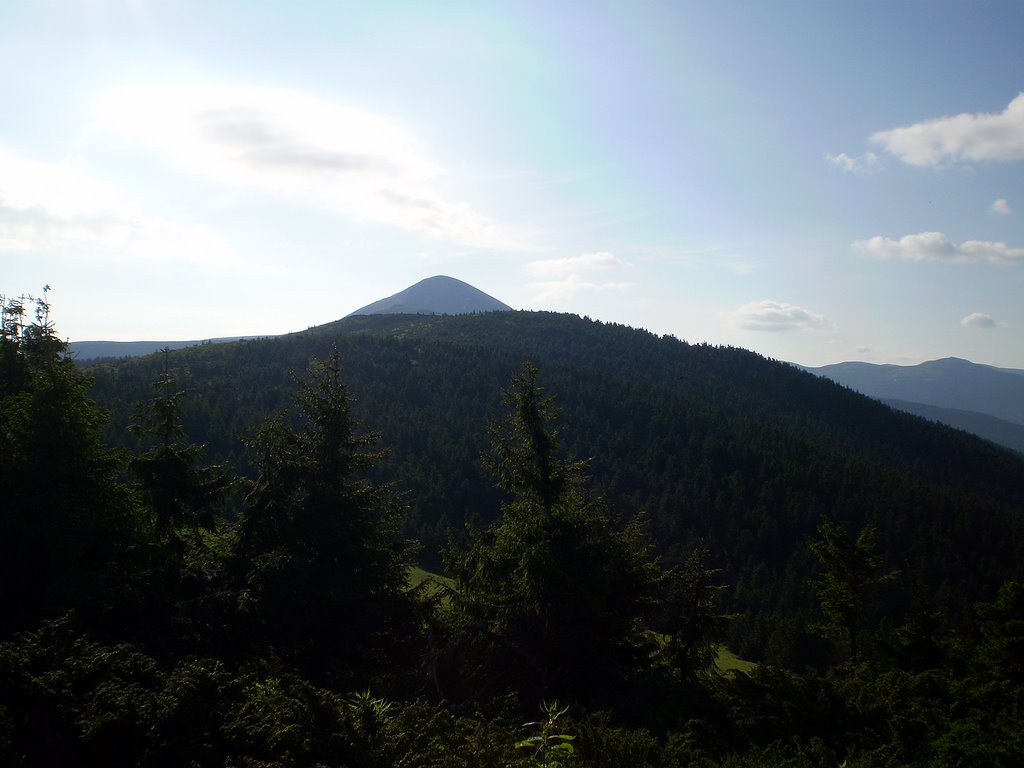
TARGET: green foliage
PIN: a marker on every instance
(321, 564)
(556, 593)
(691, 619)
(989, 698)
(982, 742)
(179, 494)
(851, 572)
(524, 449)
(600, 743)
(71, 701)
(65, 520)
(178, 645)
(547, 748)
(714, 445)
(1002, 633)
(924, 640)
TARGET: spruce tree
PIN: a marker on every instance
(181, 496)
(852, 570)
(556, 594)
(322, 567)
(179, 599)
(65, 520)
(689, 616)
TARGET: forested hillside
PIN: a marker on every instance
(632, 502)
(713, 445)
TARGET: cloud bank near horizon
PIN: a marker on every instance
(935, 246)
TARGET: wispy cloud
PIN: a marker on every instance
(978, 320)
(1001, 207)
(963, 138)
(935, 246)
(51, 208)
(566, 276)
(601, 260)
(866, 163)
(768, 315)
(563, 291)
(293, 145)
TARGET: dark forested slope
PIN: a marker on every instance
(713, 444)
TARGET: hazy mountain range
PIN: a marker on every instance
(439, 295)
(981, 399)
(92, 350)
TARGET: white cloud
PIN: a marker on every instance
(1001, 207)
(293, 145)
(770, 315)
(978, 320)
(47, 207)
(935, 246)
(865, 163)
(601, 260)
(563, 291)
(962, 138)
(567, 278)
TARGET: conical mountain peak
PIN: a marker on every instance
(439, 295)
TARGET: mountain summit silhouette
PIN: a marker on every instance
(439, 295)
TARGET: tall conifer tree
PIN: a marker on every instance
(852, 570)
(557, 593)
(64, 518)
(179, 493)
(322, 564)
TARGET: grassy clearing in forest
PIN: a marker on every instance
(728, 662)
(434, 582)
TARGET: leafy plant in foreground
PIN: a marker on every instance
(549, 749)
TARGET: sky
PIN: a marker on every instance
(816, 181)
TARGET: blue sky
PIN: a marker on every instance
(816, 181)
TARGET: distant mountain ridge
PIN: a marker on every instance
(982, 399)
(90, 350)
(438, 295)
